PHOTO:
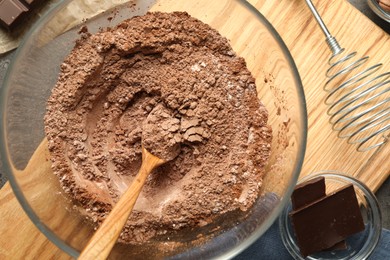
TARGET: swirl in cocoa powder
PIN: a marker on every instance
(111, 82)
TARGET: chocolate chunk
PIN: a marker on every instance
(342, 245)
(11, 12)
(29, 2)
(308, 192)
(327, 221)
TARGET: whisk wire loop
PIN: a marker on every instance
(348, 68)
(375, 120)
(359, 107)
(352, 81)
(346, 102)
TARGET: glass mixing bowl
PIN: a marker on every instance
(34, 72)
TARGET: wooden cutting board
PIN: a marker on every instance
(20, 239)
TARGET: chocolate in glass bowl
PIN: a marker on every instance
(267, 58)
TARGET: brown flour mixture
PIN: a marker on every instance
(183, 76)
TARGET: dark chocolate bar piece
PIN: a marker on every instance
(11, 12)
(327, 221)
(342, 245)
(30, 2)
(308, 192)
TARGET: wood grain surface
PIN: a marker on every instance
(298, 29)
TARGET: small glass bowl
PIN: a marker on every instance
(360, 245)
(378, 10)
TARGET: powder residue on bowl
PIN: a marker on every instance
(185, 74)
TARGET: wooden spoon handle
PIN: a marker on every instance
(101, 243)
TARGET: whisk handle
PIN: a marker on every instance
(330, 40)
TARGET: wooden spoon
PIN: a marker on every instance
(101, 243)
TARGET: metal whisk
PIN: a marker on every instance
(358, 95)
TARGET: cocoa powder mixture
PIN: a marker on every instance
(172, 80)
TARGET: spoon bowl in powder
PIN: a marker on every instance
(161, 143)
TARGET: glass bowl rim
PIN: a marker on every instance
(378, 10)
(371, 200)
(233, 251)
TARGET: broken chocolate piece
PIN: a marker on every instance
(11, 12)
(29, 2)
(308, 192)
(327, 221)
(342, 245)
